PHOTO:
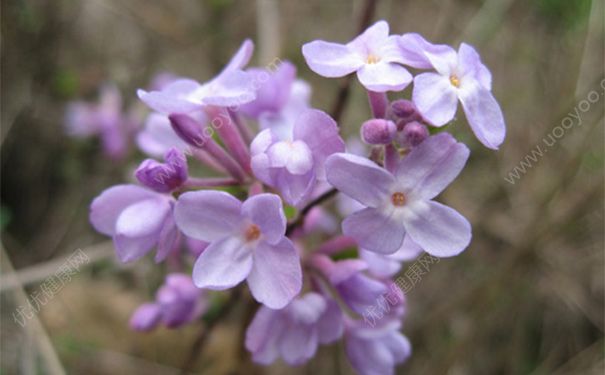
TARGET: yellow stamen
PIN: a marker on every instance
(398, 199)
(372, 59)
(252, 233)
(455, 81)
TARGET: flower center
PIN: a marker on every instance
(454, 80)
(252, 233)
(372, 59)
(398, 199)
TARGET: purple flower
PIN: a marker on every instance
(105, 119)
(280, 98)
(247, 241)
(374, 55)
(460, 76)
(231, 87)
(356, 289)
(413, 134)
(137, 219)
(178, 302)
(402, 203)
(388, 265)
(294, 332)
(376, 350)
(295, 163)
(158, 137)
(164, 177)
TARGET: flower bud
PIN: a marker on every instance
(164, 177)
(189, 130)
(405, 111)
(146, 317)
(378, 131)
(413, 134)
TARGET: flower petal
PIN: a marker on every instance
(331, 59)
(440, 230)
(266, 211)
(320, 133)
(276, 277)
(233, 88)
(483, 114)
(359, 178)
(435, 97)
(174, 98)
(158, 137)
(263, 334)
(432, 166)
(129, 249)
(224, 264)
(416, 51)
(298, 344)
(470, 63)
(329, 326)
(169, 239)
(143, 218)
(384, 76)
(207, 215)
(241, 57)
(374, 230)
(107, 207)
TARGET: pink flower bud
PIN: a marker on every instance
(378, 131)
(413, 134)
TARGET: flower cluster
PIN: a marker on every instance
(257, 215)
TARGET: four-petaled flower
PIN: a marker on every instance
(460, 76)
(374, 55)
(402, 203)
(247, 241)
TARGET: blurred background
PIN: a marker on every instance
(527, 297)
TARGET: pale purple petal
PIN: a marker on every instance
(266, 211)
(107, 207)
(360, 291)
(483, 114)
(330, 324)
(372, 38)
(374, 230)
(276, 277)
(295, 189)
(331, 59)
(440, 230)
(320, 133)
(398, 345)
(359, 178)
(146, 317)
(380, 265)
(224, 264)
(337, 272)
(232, 88)
(263, 334)
(174, 98)
(274, 91)
(169, 238)
(408, 251)
(207, 215)
(295, 156)
(158, 137)
(81, 120)
(241, 57)
(384, 76)
(432, 166)
(129, 249)
(143, 218)
(368, 358)
(469, 63)
(414, 49)
(435, 97)
(298, 344)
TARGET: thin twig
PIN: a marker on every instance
(315, 202)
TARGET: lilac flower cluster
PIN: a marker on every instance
(260, 219)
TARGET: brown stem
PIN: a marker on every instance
(315, 202)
